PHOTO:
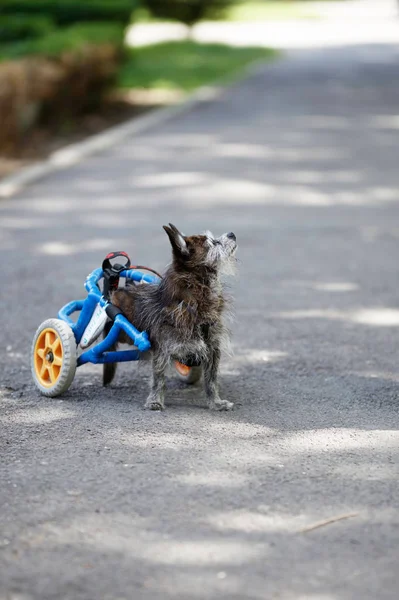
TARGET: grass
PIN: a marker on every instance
(185, 65)
(61, 40)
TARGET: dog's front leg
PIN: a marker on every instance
(211, 370)
(155, 400)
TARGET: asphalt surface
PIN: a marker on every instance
(100, 499)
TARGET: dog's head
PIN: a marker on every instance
(204, 250)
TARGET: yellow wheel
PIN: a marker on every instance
(187, 374)
(53, 360)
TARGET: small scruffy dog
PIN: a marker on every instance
(183, 313)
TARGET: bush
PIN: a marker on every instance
(38, 89)
(57, 59)
(187, 11)
(65, 40)
(65, 12)
(21, 27)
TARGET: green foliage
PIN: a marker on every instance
(187, 11)
(261, 10)
(71, 11)
(50, 27)
(240, 10)
(62, 40)
(185, 65)
(21, 27)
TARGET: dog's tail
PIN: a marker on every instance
(109, 369)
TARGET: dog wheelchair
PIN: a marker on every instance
(61, 345)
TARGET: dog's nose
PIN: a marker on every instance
(231, 236)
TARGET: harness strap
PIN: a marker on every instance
(111, 271)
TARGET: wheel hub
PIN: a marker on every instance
(182, 369)
(49, 356)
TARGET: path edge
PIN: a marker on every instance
(73, 154)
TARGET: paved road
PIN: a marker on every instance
(103, 500)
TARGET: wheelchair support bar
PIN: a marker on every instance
(99, 353)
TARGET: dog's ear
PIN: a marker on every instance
(176, 239)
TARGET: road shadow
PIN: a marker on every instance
(301, 162)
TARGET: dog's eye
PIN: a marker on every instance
(215, 242)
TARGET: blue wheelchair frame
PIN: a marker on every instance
(99, 353)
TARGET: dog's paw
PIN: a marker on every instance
(154, 405)
(221, 405)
